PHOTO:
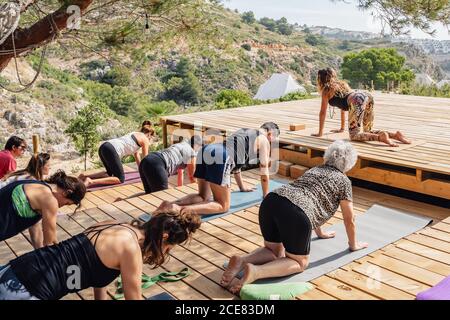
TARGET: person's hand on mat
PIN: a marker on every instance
(337, 130)
(359, 246)
(327, 235)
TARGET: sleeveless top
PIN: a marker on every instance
(240, 147)
(126, 145)
(16, 214)
(4, 183)
(340, 102)
(73, 265)
(177, 156)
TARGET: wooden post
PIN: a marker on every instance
(164, 132)
(35, 144)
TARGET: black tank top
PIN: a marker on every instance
(48, 273)
(11, 223)
(340, 102)
(240, 146)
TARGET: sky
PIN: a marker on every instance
(322, 13)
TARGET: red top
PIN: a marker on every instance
(7, 163)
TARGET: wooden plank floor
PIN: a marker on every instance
(424, 168)
(398, 271)
(420, 118)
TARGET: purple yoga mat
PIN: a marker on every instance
(439, 292)
(130, 178)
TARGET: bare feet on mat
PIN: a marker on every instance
(234, 267)
(384, 137)
(249, 277)
(400, 137)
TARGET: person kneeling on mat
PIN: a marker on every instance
(113, 151)
(156, 168)
(216, 163)
(288, 215)
(24, 203)
(99, 255)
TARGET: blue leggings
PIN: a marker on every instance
(10, 286)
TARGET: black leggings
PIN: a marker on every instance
(111, 161)
(153, 171)
(281, 221)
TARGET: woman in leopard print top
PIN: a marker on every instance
(288, 215)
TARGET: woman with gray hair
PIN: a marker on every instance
(288, 215)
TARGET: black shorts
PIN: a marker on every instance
(111, 161)
(281, 221)
(153, 171)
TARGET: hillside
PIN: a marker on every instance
(133, 77)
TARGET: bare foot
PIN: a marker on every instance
(400, 137)
(87, 182)
(234, 267)
(249, 277)
(165, 205)
(384, 137)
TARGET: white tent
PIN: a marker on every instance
(424, 79)
(442, 83)
(279, 85)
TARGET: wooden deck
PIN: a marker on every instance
(424, 168)
(398, 271)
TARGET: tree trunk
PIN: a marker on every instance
(39, 33)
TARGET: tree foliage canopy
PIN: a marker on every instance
(378, 65)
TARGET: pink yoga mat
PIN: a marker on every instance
(130, 178)
(439, 292)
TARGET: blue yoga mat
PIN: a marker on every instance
(161, 296)
(239, 201)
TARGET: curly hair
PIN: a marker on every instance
(341, 155)
(328, 83)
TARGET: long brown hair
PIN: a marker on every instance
(328, 83)
(147, 127)
(178, 226)
(34, 167)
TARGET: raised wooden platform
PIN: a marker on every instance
(424, 168)
(398, 271)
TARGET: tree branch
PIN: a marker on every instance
(40, 33)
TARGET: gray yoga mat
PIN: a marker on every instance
(379, 226)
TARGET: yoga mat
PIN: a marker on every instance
(441, 291)
(130, 178)
(239, 201)
(379, 226)
(161, 296)
(344, 136)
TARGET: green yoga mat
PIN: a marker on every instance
(148, 281)
(239, 201)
